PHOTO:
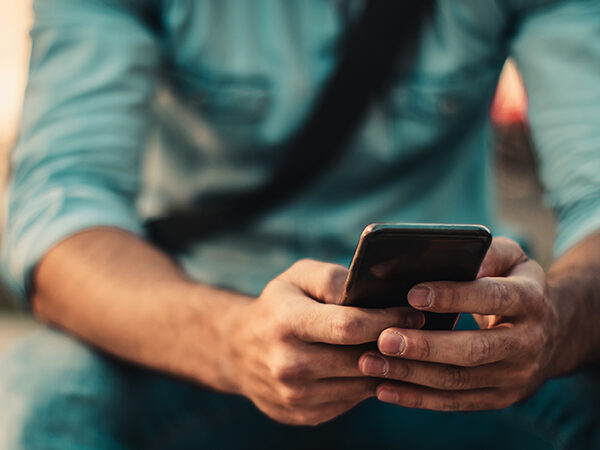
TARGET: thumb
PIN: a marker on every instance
(502, 256)
(322, 281)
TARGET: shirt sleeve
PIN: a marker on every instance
(557, 49)
(76, 164)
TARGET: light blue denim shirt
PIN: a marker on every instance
(133, 107)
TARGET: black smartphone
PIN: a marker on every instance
(393, 257)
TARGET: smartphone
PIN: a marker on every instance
(393, 257)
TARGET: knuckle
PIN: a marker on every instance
(405, 370)
(519, 376)
(332, 276)
(284, 372)
(444, 297)
(271, 288)
(296, 269)
(507, 242)
(531, 293)
(279, 372)
(532, 343)
(300, 417)
(500, 295)
(285, 367)
(399, 370)
(510, 345)
(452, 299)
(480, 350)
(309, 418)
(526, 375)
(508, 399)
(416, 402)
(492, 260)
(537, 290)
(537, 341)
(420, 348)
(536, 296)
(345, 327)
(281, 326)
(331, 273)
(450, 404)
(300, 264)
(455, 378)
(313, 421)
(293, 396)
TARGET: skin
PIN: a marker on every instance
(534, 326)
(301, 358)
(291, 350)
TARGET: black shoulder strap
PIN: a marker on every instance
(385, 35)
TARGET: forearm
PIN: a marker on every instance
(124, 296)
(292, 351)
(574, 287)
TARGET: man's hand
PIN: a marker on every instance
(295, 356)
(504, 362)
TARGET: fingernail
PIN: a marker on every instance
(392, 343)
(374, 365)
(420, 297)
(387, 395)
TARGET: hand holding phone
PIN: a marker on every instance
(391, 258)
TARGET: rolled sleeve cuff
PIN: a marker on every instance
(581, 221)
(34, 228)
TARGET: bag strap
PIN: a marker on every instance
(383, 40)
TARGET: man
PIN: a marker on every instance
(244, 312)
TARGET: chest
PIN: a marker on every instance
(251, 69)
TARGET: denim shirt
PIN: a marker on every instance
(134, 107)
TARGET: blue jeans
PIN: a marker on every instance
(56, 393)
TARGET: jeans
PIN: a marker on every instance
(57, 393)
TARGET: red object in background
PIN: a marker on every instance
(510, 101)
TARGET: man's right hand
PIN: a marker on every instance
(294, 351)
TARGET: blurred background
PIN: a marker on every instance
(15, 20)
(518, 190)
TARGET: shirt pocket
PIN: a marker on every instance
(424, 111)
(225, 99)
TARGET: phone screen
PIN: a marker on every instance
(392, 258)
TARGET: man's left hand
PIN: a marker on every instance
(505, 361)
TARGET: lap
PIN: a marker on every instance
(58, 393)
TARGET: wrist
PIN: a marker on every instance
(204, 327)
(571, 346)
(574, 288)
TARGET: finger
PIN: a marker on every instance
(503, 254)
(439, 376)
(344, 390)
(292, 415)
(318, 361)
(320, 280)
(412, 396)
(530, 270)
(511, 296)
(317, 414)
(324, 413)
(347, 325)
(329, 391)
(328, 361)
(459, 348)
